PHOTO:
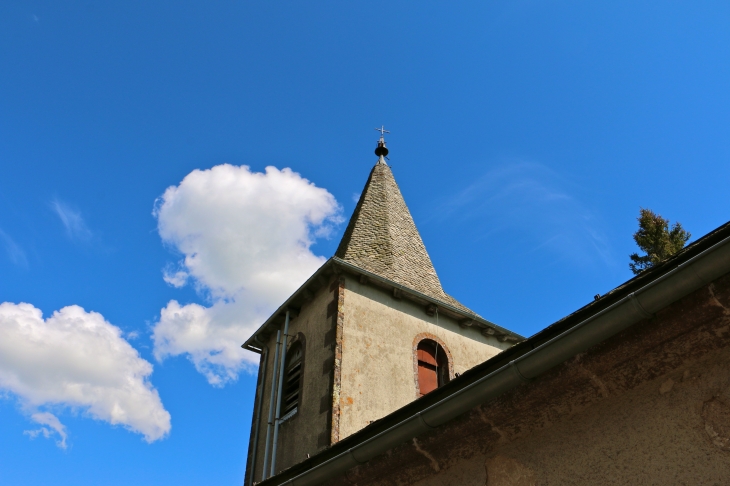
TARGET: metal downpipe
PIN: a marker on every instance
(278, 394)
(270, 423)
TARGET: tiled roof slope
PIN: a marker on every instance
(382, 238)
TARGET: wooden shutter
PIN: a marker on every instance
(427, 372)
(433, 366)
(293, 376)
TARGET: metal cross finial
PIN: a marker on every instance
(381, 150)
(382, 130)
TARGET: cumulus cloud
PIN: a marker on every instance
(77, 360)
(76, 228)
(245, 240)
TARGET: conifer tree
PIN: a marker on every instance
(656, 240)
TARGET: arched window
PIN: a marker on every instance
(433, 366)
(292, 380)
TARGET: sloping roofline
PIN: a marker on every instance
(693, 267)
(336, 265)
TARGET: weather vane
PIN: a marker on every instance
(381, 150)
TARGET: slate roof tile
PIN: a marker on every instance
(382, 238)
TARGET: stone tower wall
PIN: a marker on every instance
(359, 364)
(307, 431)
(378, 369)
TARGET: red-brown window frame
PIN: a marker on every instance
(416, 341)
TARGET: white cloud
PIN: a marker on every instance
(176, 278)
(245, 238)
(76, 228)
(210, 337)
(76, 359)
(47, 418)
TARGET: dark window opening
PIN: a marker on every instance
(433, 366)
(292, 380)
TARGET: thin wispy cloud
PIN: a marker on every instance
(535, 205)
(53, 427)
(73, 222)
(13, 251)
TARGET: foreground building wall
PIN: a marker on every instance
(650, 405)
(671, 430)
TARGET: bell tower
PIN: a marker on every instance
(369, 332)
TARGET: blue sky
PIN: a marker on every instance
(525, 138)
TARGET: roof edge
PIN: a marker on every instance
(470, 318)
(421, 296)
(249, 344)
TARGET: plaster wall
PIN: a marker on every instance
(674, 429)
(377, 368)
(307, 431)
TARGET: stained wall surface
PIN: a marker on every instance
(674, 429)
(307, 431)
(650, 405)
(378, 367)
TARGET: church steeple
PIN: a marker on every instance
(375, 329)
(382, 238)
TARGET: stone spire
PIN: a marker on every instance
(382, 238)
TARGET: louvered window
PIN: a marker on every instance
(292, 380)
(433, 366)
